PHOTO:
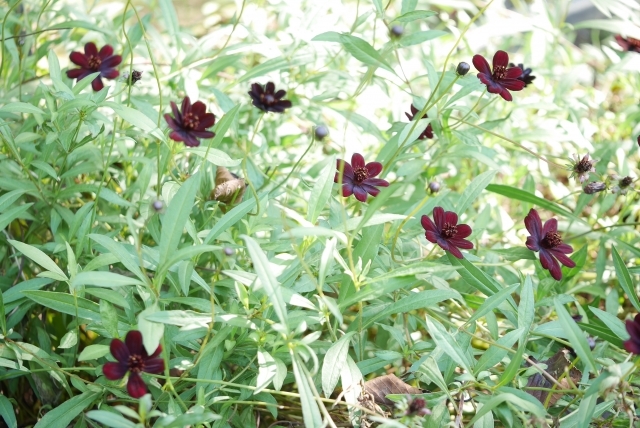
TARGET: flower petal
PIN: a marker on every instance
(633, 328)
(532, 244)
(360, 193)
(134, 343)
(513, 73)
(562, 258)
(105, 52)
(119, 350)
(172, 123)
(347, 189)
(202, 134)
(90, 49)
(463, 230)
(428, 225)
(438, 218)
(154, 365)
(256, 88)
(115, 371)
(500, 59)
(481, 65)
(373, 168)
(190, 140)
(461, 243)
(198, 109)
(79, 59)
(550, 225)
(632, 346)
(451, 218)
(373, 191)
(564, 248)
(431, 236)
(135, 386)
(206, 121)
(186, 106)
(78, 73)
(281, 93)
(347, 170)
(357, 161)
(97, 84)
(111, 62)
(455, 252)
(551, 264)
(270, 88)
(534, 225)
(110, 74)
(178, 135)
(283, 104)
(513, 84)
(376, 182)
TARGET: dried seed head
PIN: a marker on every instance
(594, 187)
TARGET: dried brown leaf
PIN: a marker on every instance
(556, 367)
(382, 386)
(229, 187)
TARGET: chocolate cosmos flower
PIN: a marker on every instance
(191, 124)
(446, 232)
(358, 178)
(526, 76)
(133, 358)
(92, 61)
(548, 242)
(267, 99)
(428, 131)
(633, 327)
(502, 79)
(629, 44)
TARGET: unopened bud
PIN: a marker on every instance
(462, 69)
(594, 187)
(321, 132)
(434, 187)
(228, 251)
(397, 30)
(158, 206)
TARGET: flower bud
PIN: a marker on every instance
(397, 31)
(462, 69)
(321, 132)
(158, 206)
(594, 187)
(434, 187)
(228, 251)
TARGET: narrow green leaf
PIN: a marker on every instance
(93, 352)
(310, 412)
(118, 250)
(215, 156)
(110, 419)
(495, 354)
(526, 310)
(267, 370)
(524, 196)
(334, 361)
(7, 412)
(624, 278)
(39, 257)
(414, 15)
(267, 278)
(175, 217)
(492, 302)
(19, 107)
(321, 191)
(614, 323)
(363, 51)
(420, 37)
(61, 416)
(136, 118)
(473, 190)
(576, 337)
(445, 341)
(230, 218)
(513, 367)
(103, 279)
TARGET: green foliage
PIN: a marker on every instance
(281, 306)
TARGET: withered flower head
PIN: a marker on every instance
(526, 76)
(91, 61)
(133, 78)
(594, 187)
(428, 131)
(633, 327)
(629, 44)
(446, 232)
(581, 168)
(267, 99)
(417, 406)
(133, 358)
(229, 187)
(548, 242)
(502, 79)
(191, 123)
(623, 184)
(358, 177)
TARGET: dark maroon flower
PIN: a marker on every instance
(358, 178)
(502, 79)
(133, 358)
(446, 232)
(629, 44)
(91, 61)
(191, 124)
(428, 131)
(548, 242)
(526, 76)
(633, 327)
(267, 99)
